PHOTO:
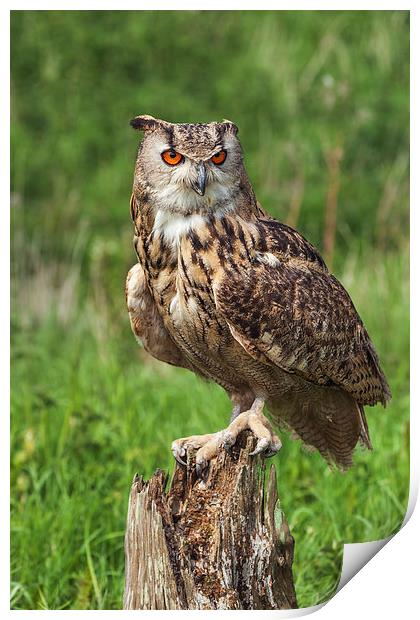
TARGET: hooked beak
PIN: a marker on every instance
(199, 185)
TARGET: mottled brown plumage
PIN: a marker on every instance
(223, 289)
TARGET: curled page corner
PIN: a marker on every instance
(356, 556)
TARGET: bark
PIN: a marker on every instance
(218, 543)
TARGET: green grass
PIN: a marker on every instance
(89, 409)
(299, 84)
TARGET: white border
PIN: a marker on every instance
(386, 586)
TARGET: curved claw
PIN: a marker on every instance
(179, 460)
(228, 440)
(178, 452)
(274, 448)
(261, 446)
(269, 453)
(267, 447)
(228, 448)
(201, 468)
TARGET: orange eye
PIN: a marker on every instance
(171, 157)
(219, 158)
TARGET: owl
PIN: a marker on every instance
(224, 290)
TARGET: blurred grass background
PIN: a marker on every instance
(322, 102)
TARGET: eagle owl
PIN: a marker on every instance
(224, 290)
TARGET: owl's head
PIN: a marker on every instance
(188, 167)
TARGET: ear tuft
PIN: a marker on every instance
(229, 126)
(144, 122)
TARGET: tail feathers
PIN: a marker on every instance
(333, 425)
(364, 429)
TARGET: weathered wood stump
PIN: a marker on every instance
(222, 543)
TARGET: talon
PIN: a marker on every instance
(179, 460)
(228, 440)
(261, 446)
(269, 453)
(228, 448)
(273, 448)
(201, 468)
(178, 452)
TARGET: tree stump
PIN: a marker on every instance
(218, 543)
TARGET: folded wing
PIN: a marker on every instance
(286, 309)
